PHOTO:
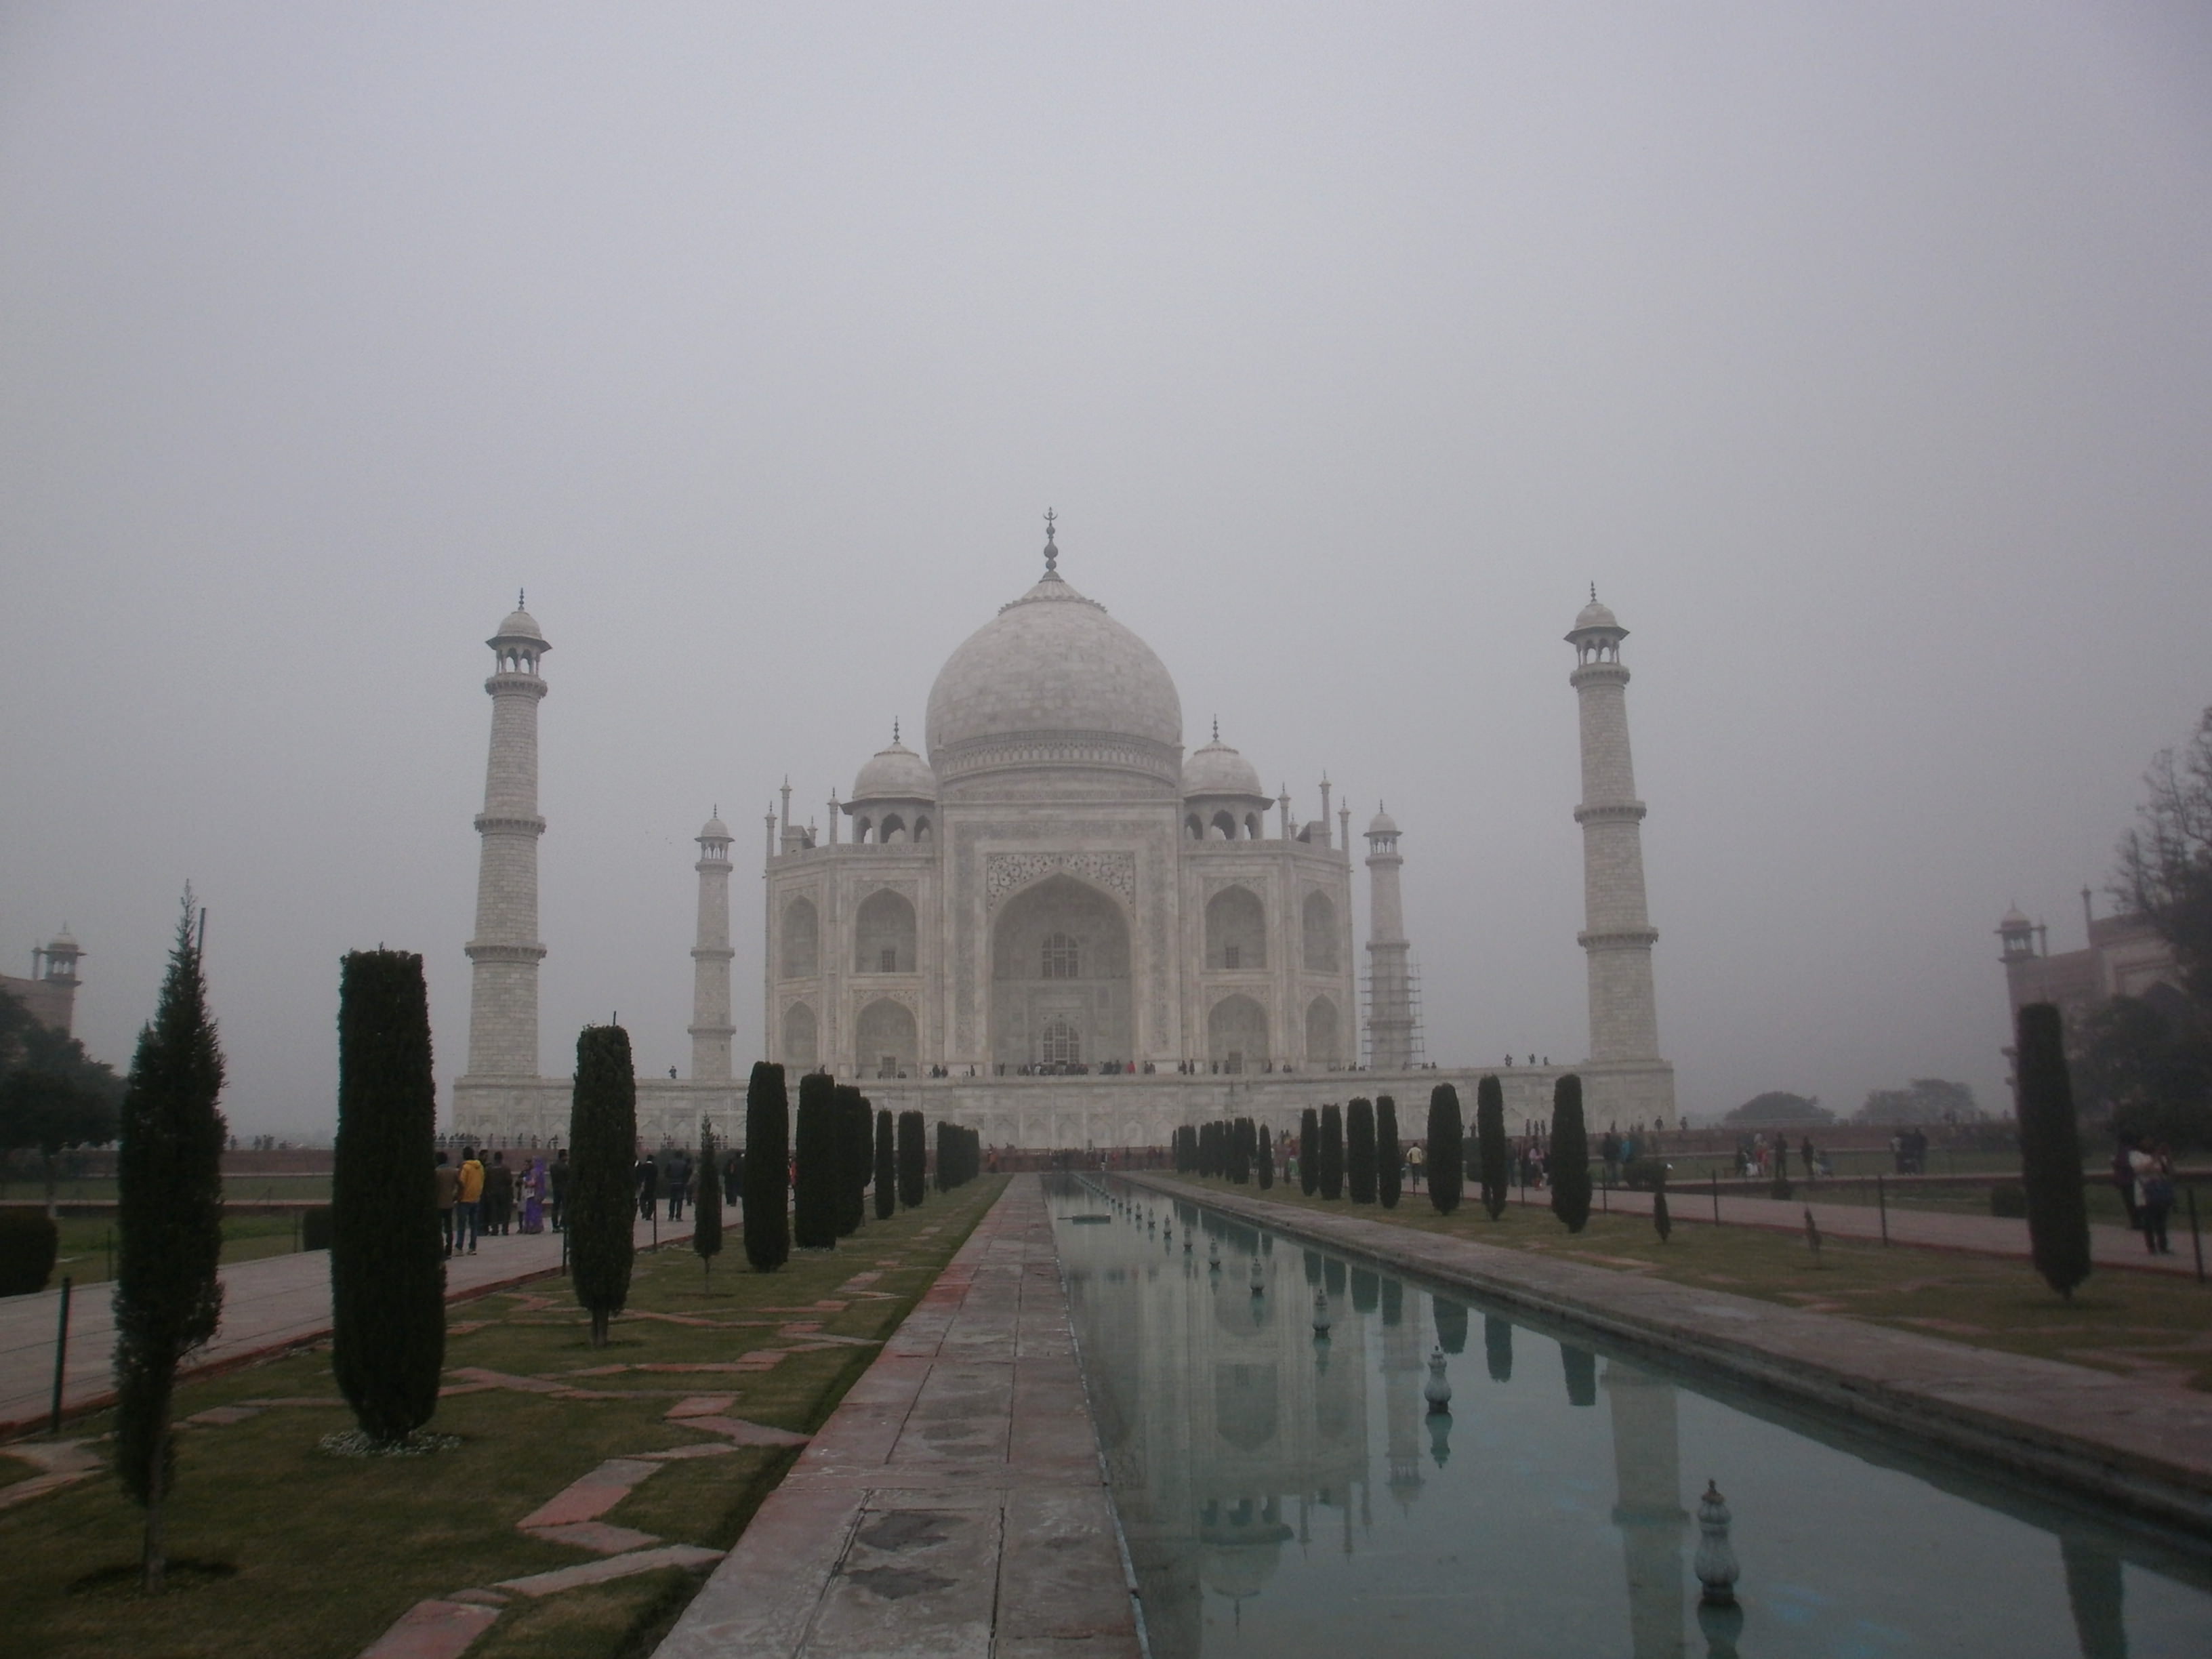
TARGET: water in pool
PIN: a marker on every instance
(1284, 1496)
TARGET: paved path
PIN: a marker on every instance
(1940, 1229)
(953, 1505)
(2111, 1439)
(267, 1304)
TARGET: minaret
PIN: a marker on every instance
(1647, 1475)
(503, 989)
(1390, 980)
(711, 1030)
(1617, 934)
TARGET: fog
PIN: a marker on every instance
(1860, 355)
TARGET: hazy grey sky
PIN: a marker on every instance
(1861, 353)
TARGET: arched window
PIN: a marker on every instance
(1197, 828)
(1236, 930)
(1061, 958)
(801, 939)
(894, 830)
(921, 829)
(1224, 826)
(1320, 934)
(1060, 1043)
(884, 935)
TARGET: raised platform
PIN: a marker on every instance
(1135, 1109)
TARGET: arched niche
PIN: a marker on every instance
(1059, 953)
(802, 1042)
(1236, 1035)
(802, 941)
(1323, 1046)
(885, 1042)
(1319, 934)
(1236, 930)
(883, 934)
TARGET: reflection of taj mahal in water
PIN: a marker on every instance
(1059, 929)
(1240, 1446)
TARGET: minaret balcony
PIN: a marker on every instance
(1613, 811)
(486, 823)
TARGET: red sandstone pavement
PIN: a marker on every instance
(953, 1504)
(268, 1305)
(1938, 1230)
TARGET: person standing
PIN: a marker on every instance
(449, 1190)
(533, 1197)
(679, 1183)
(734, 1177)
(2124, 1177)
(499, 1196)
(556, 1182)
(649, 1185)
(468, 1210)
(2154, 1171)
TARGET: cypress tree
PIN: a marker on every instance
(1451, 1324)
(169, 1230)
(1580, 1365)
(602, 1199)
(1494, 1159)
(1447, 1147)
(912, 1159)
(707, 1203)
(945, 1179)
(2051, 1151)
(768, 1168)
(1497, 1346)
(1243, 1151)
(814, 1186)
(1366, 1290)
(1309, 1151)
(1359, 1150)
(387, 1271)
(1332, 1153)
(1388, 1159)
(855, 1155)
(1267, 1163)
(886, 1167)
(1570, 1158)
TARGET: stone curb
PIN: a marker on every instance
(2098, 1436)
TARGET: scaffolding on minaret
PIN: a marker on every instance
(1390, 1009)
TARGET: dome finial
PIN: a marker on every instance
(519, 596)
(895, 736)
(1217, 728)
(1051, 551)
(1593, 593)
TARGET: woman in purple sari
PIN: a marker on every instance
(533, 1197)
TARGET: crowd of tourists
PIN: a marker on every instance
(476, 1198)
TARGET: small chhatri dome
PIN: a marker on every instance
(1217, 769)
(1595, 615)
(62, 941)
(1382, 823)
(716, 829)
(2013, 920)
(895, 774)
(519, 623)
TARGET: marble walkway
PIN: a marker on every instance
(953, 1504)
(268, 1305)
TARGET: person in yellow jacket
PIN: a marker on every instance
(468, 1211)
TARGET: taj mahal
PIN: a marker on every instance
(1055, 926)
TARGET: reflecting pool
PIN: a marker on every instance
(1286, 1494)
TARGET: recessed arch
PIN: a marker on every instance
(883, 934)
(893, 830)
(1320, 931)
(802, 941)
(1224, 826)
(802, 1042)
(1236, 930)
(1323, 1046)
(885, 1044)
(1060, 952)
(1236, 1035)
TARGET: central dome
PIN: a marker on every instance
(1053, 682)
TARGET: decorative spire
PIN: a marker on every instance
(895, 736)
(1593, 593)
(1217, 728)
(519, 597)
(1051, 551)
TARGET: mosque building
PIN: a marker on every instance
(1057, 927)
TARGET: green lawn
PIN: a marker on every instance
(87, 1252)
(239, 1189)
(2146, 1324)
(317, 1555)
